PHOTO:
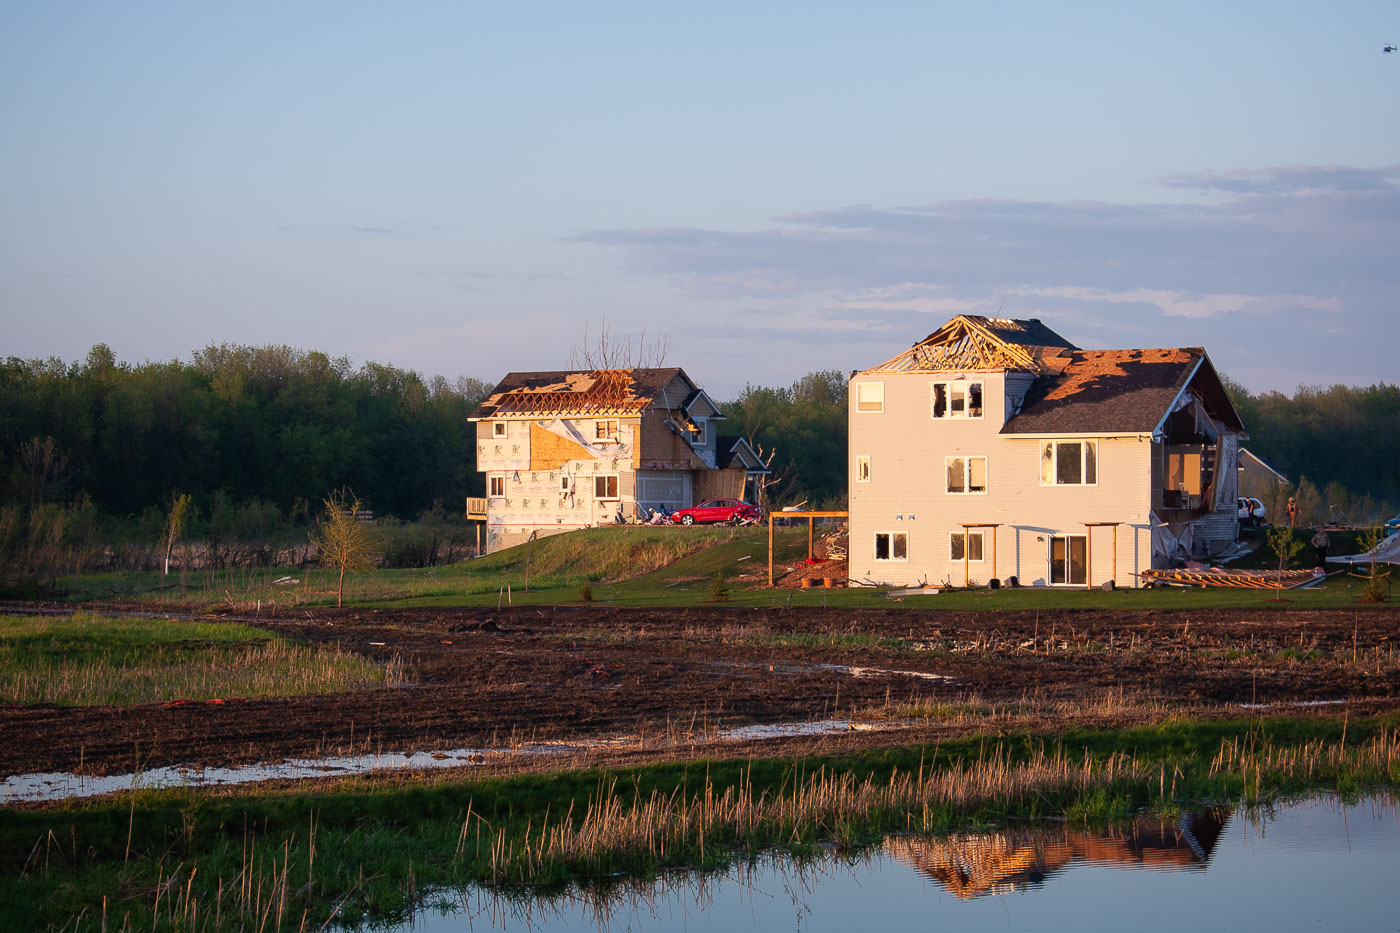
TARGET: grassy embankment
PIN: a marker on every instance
(659, 567)
(282, 859)
(87, 659)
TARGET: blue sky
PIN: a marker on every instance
(462, 188)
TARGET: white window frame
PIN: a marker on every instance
(701, 430)
(967, 489)
(963, 388)
(607, 479)
(965, 536)
(499, 429)
(496, 487)
(863, 468)
(872, 401)
(1050, 559)
(890, 548)
(606, 430)
(1051, 465)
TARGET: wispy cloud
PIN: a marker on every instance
(1297, 252)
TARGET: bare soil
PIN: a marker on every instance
(485, 678)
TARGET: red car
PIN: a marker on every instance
(718, 510)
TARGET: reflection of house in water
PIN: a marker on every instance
(972, 865)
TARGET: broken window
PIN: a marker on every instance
(605, 487)
(498, 429)
(967, 474)
(605, 430)
(870, 396)
(957, 399)
(498, 487)
(862, 469)
(965, 545)
(891, 545)
(1069, 463)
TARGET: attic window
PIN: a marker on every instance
(498, 429)
(697, 431)
(605, 430)
(870, 396)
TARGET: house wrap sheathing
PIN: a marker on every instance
(995, 448)
(567, 450)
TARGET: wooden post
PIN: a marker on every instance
(770, 549)
(994, 551)
(1115, 553)
(1089, 549)
(811, 524)
(1088, 556)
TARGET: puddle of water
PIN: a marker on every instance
(883, 672)
(59, 785)
(1315, 864)
(1297, 703)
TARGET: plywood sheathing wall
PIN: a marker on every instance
(720, 484)
(548, 451)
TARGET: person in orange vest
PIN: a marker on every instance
(1292, 512)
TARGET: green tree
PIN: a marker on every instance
(174, 528)
(344, 541)
(1285, 545)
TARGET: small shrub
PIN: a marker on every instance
(719, 590)
(585, 592)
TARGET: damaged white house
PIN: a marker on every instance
(566, 450)
(994, 448)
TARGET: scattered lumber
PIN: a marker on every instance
(1239, 579)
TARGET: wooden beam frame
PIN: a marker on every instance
(967, 551)
(811, 517)
(1089, 551)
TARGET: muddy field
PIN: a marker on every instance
(489, 678)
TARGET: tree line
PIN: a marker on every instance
(95, 453)
(1339, 447)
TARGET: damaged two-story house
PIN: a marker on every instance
(995, 449)
(566, 450)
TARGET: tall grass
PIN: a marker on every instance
(92, 660)
(182, 861)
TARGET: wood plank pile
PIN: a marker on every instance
(1238, 579)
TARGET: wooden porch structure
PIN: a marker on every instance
(810, 516)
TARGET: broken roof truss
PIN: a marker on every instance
(970, 343)
(603, 392)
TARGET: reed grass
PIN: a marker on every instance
(92, 660)
(279, 860)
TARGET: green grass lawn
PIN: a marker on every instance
(659, 567)
(86, 659)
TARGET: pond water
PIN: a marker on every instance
(1318, 864)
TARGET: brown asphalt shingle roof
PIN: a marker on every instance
(1107, 391)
